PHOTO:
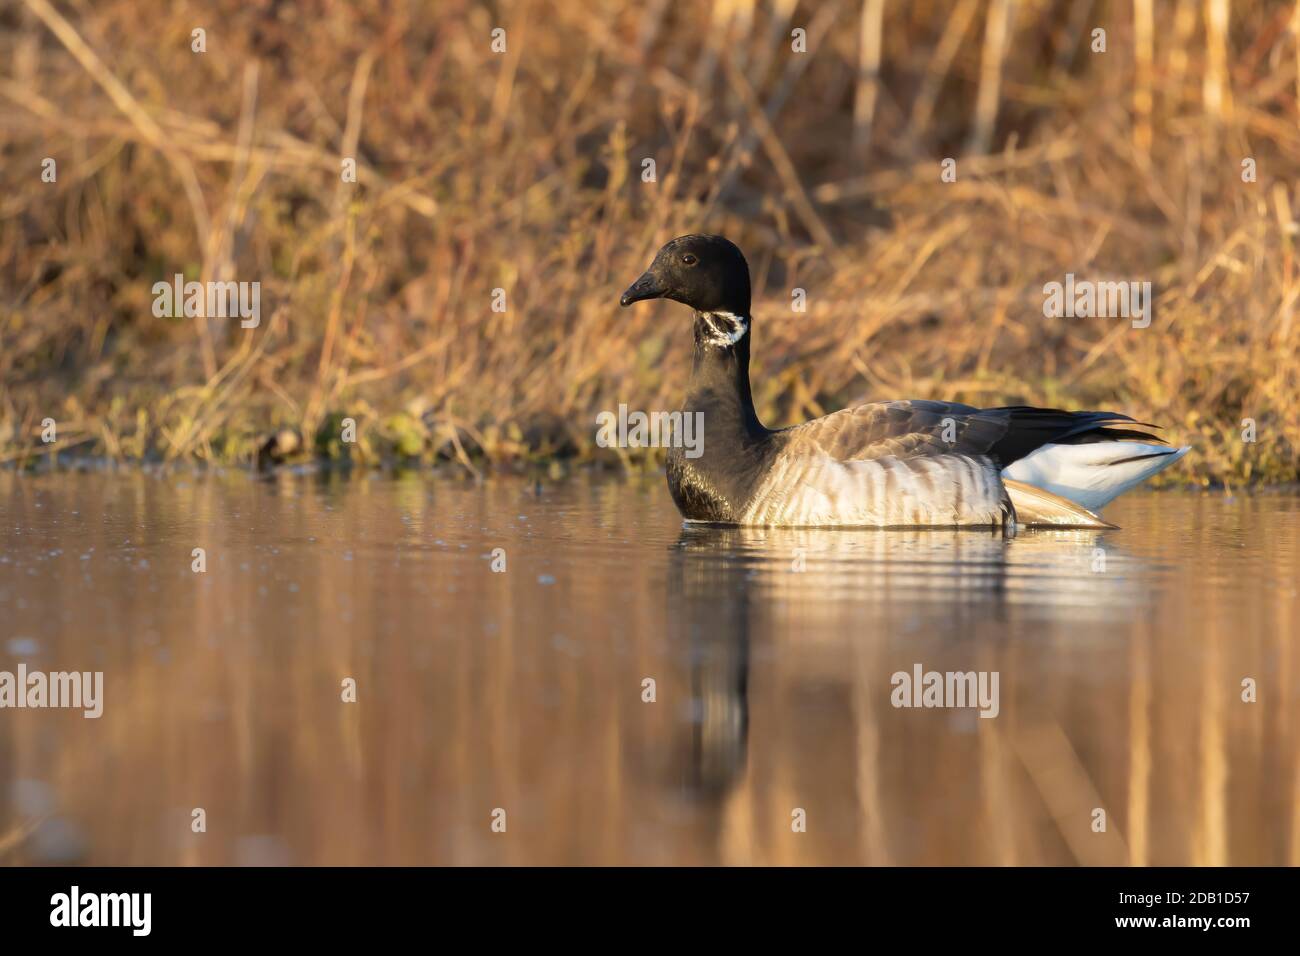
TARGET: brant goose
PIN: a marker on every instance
(886, 464)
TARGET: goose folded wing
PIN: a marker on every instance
(924, 428)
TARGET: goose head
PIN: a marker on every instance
(708, 273)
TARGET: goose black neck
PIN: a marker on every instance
(719, 384)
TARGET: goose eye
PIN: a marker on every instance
(689, 259)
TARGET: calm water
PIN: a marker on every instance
(1120, 658)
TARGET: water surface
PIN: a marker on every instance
(1120, 656)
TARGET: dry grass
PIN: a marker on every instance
(522, 171)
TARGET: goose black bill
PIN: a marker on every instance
(646, 287)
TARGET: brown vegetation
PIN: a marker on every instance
(522, 171)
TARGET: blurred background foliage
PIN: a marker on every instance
(522, 171)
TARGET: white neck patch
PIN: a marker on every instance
(724, 329)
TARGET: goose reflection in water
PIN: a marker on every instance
(732, 588)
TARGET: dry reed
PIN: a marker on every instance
(521, 171)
